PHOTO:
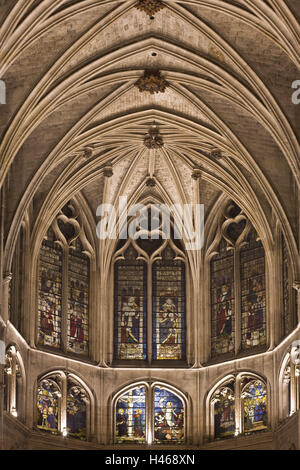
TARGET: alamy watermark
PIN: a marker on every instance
(296, 94)
(2, 92)
(152, 222)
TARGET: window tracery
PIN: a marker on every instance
(238, 294)
(238, 406)
(149, 295)
(63, 406)
(64, 271)
(151, 413)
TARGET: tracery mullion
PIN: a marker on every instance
(238, 406)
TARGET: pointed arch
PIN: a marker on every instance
(150, 412)
(64, 405)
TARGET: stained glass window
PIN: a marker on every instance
(50, 293)
(253, 293)
(131, 416)
(64, 270)
(238, 406)
(76, 412)
(238, 292)
(224, 411)
(168, 417)
(48, 406)
(222, 300)
(168, 307)
(78, 300)
(254, 397)
(130, 307)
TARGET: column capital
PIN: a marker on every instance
(7, 277)
(196, 174)
(108, 171)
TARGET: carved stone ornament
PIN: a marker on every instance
(108, 171)
(150, 6)
(287, 374)
(150, 182)
(152, 82)
(196, 173)
(87, 152)
(153, 140)
(216, 153)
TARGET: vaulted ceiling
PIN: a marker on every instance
(73, 107)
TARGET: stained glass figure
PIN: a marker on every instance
(168, 417)
(224, 411)
(168, 307)
(50, 293)
(222, 300)
(254, 397)
(78, 300)
(253, 293)
(76, 412)
(130, 307)
(47, 405)
(131, 416)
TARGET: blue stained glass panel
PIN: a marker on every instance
(168, 417)
(222, 301)
(168, 303)
(130, 423)
(253, 293)
(47, 405)
(76, 413)
(130, 308)
(255, 406)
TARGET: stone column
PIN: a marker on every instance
(5, 297)
(103, 349)
(199, 346)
